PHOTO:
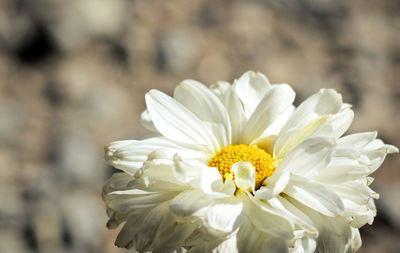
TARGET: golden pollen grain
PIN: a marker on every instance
(259, 158)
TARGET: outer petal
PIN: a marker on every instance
(307, 119)
(250, 239)
(251, 88)
(278, 124)
(186, 204)
(176, 122)
(365, 149)
(337, 124)
(355, 243)
(129, 200)
(324, 102)
(247, 239)
(335, 233)
(154, 230)
(220, 89)
(269, 220)
(130, 155)
(207, 106)
(336, 174)
(303, 244)
(294, 215)
(237, 114)
(219, 216)
(358, 140)
(315, 196)
(147, 122)
(223, 216)
(276, 100)
(308, 158)
(355, 195)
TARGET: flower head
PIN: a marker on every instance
(238, 168)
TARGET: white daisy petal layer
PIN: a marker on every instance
(251, 88)
(309, 157)
(276, 100)
(176, 122)
(207, 106)
(307, 119)
(315, 196)
(219, 216)
(130, 155)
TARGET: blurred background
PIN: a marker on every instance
(73, 75)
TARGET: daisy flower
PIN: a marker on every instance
(238, 168)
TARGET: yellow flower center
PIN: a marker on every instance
(259, 158)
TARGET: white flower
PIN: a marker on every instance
(237, 168)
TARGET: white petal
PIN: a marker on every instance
(339, 174)
(314, 195)
(186, 204)
(266, 143)
(307, 119)
(277, 125)
(269, 220)
(147, 122)
(294, 215)
(290, 139)
(223, 216)
(365, 217)
(276, 100)
(176, 122)
(373, 159)
(188, 171)
(169, 233)
(274, 185)
(219, 216)
(154, 230)
(116, 160)
(237, 114)
(125, 201)
(337, 124)
(220, 89)
(211, 183)
(358, 140)
(302, 245)
(309, 157)
(390, 149)
(251, 239)
(129, 156)
(355, 195)
(251, 88)
(159, 166)
(117, 181)
(325, 102)
(245, 175)
(355, 243)
(206, 105)
(227, 246)
(248, 239)
(129, 230)
(335, 234)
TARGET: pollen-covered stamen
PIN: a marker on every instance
(259, 158)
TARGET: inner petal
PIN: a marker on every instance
(264, 163)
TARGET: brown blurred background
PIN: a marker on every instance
(73, 75)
